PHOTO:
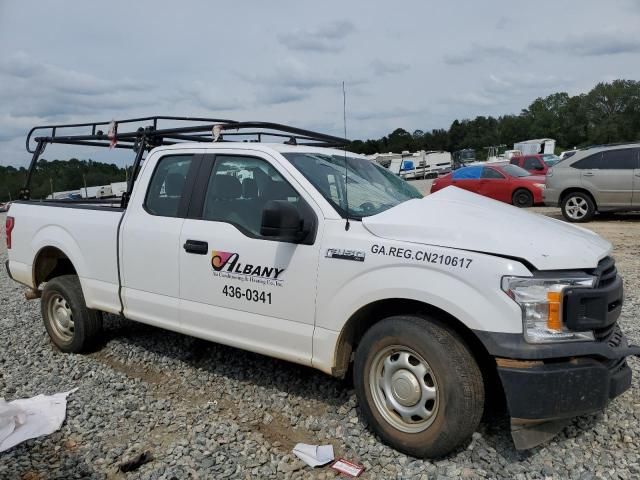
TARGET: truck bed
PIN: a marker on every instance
(85, 232)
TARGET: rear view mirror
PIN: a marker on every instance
(281, 221)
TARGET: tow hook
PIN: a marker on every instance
(32, 294)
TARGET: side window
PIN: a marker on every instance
(514, 161)
(531, 163)
(592, 161)
(167, 185)
(491, 173)
(623, 159)
(467, 173)
(240, 187)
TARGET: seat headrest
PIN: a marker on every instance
(226, 187)
(249, 188)
(278, 190)
(173, 184)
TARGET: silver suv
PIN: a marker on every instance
(596, 179)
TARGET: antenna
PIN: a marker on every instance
(346, 169)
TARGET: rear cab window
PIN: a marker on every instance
(167, 189)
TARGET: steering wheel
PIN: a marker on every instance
(367, 207)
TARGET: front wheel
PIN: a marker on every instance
(418, 385)
(522, 198)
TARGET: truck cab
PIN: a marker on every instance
(315, 255)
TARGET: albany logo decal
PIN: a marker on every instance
(228, 265)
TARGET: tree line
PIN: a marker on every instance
(58, 176)
(609, 113)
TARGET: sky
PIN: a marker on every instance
(409, 64)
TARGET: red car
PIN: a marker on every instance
(500, 181)
(534, 164)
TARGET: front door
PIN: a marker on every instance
(237, 286)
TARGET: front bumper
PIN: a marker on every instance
(557, 382)
(545, 384)
(551, 196)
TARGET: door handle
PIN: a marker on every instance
(196, 246)
(588, 174)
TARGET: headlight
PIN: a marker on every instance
(541, 186)
(541, 302)
(550, 172)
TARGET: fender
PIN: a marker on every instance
(479, 311)
(58, 237)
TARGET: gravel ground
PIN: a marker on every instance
(210, 411)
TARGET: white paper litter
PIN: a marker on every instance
(314, 455)
(28, 418)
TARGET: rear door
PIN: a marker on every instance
(150, 239)
(467, 178)
(236, 286)
(495, 185)
(636, 180)
(609, 175)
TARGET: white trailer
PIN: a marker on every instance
(533, 147)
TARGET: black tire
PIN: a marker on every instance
(578, 207)
(459, 402)
(62, 299)
(522, 198)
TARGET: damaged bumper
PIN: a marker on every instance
(546, 385)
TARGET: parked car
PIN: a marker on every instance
(598, 179)
(500, 181)
(550, 159)
(321, 257)
(533, 164)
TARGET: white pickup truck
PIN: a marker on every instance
(265, 247)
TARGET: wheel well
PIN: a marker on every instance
(51, 262)
(522, 189)
(369, 315)
(564, 194)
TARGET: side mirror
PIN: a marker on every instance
(281, 221)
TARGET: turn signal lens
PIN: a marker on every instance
(554, 319)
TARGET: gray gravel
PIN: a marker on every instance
(209, 411)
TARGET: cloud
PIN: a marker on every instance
(519, 82)
(38, 92)
(274, 96)
(208, 96)
(292, 80)
(388, 67)
(392, 113)
(326, 39)
(592, 44)
(481, 52)
(472, 99)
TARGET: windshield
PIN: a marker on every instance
(515, 171)
(372, 189)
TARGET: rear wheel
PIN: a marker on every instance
(522, 198)
(72, 327)
(418, 385)
(578, 207)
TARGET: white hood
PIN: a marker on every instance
(456, 218)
